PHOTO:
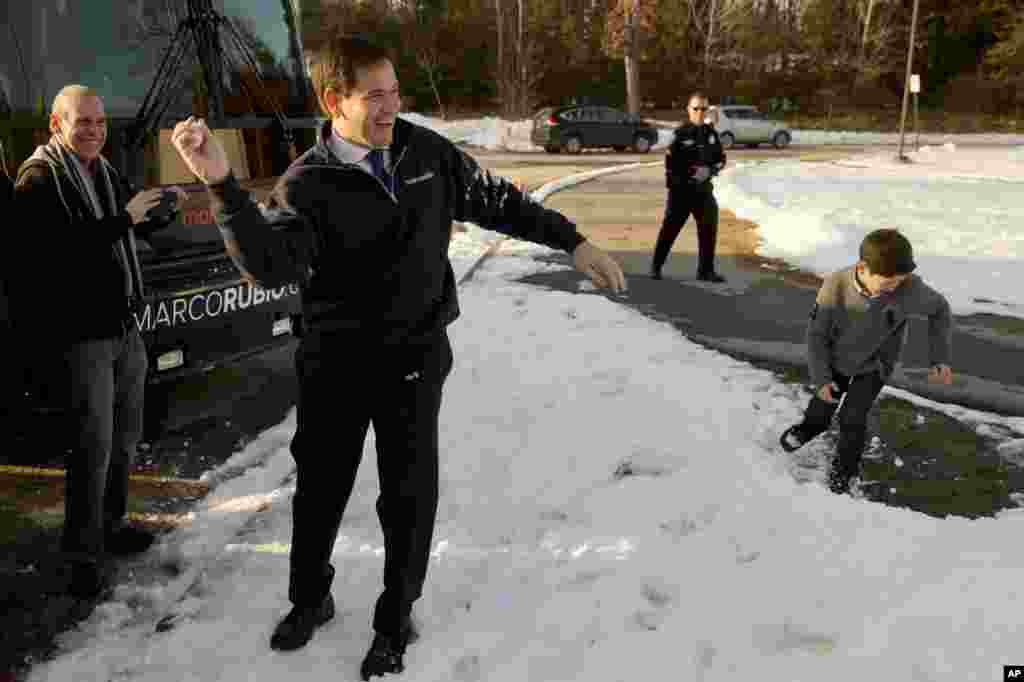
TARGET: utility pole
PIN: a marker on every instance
(906, 83)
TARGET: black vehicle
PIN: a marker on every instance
(574, 128)
(155, 62)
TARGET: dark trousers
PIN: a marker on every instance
(858, 395)
(339, 396)
(682, 203)
(107, 381)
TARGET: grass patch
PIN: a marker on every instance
(928, 461)
(934, 464)
(1007, 326)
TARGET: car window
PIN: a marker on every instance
(570, 115)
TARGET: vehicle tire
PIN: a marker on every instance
(641, 145)
(781, 139)
(727, 140)
(551, 149)
(573, 145)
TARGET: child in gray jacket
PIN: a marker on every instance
(854, 339)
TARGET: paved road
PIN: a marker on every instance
(761, 313)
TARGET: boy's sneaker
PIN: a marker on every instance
(793, 438)
(839, 480)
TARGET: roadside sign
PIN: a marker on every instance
(915, 83)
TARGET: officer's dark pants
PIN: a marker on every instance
(339, 396)
(107, 381)
(860, 394)
(683, 202)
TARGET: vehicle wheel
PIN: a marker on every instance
(551, 150)
(574, 145)
(727, 140)
(641, 145)
(781, 139)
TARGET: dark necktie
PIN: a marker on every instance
(380, 169)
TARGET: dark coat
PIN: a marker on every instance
(373, 267)
(693, 146)
(69, 285)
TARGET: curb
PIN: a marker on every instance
(967, 391)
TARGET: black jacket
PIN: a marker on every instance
(374, 267)
(68, 285)
(693, 146)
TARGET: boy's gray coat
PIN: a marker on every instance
(850, 333)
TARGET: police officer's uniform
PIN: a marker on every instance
(694, 157)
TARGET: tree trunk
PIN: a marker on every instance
(631, 53)
(580, 18)
(431, 68)
(707, 44)
(862, 63)
(501, 81)
(522, 90)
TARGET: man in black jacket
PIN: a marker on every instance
(363, 220)
(694, 157)
(77, 311)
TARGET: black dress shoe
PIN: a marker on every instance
(386, 653)
(124, 540)
(90, 579)
(295, 631)
(712, 277)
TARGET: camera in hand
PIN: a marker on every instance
(164, 211)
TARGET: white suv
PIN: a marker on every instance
(739, 124)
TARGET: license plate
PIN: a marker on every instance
(283, 326)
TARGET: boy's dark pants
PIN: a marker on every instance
(683, 202)
(340, 394)
(860, 393)
(107, 382)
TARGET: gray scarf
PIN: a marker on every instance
(62, 162)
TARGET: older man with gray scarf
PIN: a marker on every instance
(78, 311)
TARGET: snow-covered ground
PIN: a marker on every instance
(597, 522)
(613, 507)
(962, 208)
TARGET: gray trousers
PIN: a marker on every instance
(107, 380)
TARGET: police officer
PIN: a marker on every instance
(694, 157)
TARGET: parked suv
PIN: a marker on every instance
(573, 128)
(739, 124)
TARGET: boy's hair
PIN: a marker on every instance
(333, 65)
(887, 253)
